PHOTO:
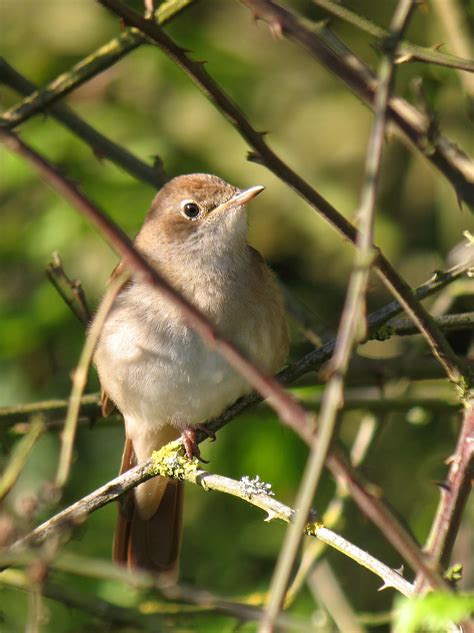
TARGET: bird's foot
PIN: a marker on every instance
(188, 437)
(191, 447)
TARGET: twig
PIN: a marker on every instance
(407, 51)
(454, 25)
(168, 462)
(79, 381)
(89, 412)
(448, 323)
(453, 163)
(71, 291)
(97, 62)
(334, 510)
(454, 494)
(100, 144)
(205, 601)
(92, 605)
(50, 409)
(325, 587)
(351, 330)
(20, 455)
(35, 606)
(196, 71)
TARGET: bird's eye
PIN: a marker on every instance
(191, 210)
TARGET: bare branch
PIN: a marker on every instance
(334, 510)
(196, 71)
(71, 291)
(19, 456)
(325, 587)
(448, 323)
(407, 51)
(95, 63)
(352, 328)
(454, 494)
(454, 24)
(168, 462)
(100, 144)
(205, 601)
(422, 131)
(79, 381)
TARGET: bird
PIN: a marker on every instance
(158, 372)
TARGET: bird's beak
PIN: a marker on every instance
(240, 198)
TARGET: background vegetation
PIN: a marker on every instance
(146, 104)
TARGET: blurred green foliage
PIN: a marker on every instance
(145, 103)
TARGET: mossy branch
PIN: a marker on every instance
(89, 67)
(407, 51)
(171, 460)
(102, 146)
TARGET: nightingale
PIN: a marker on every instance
(158, 372)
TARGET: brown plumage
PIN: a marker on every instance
(156, 369)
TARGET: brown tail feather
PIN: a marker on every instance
(150, 542)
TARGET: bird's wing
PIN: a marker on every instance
(107, 406)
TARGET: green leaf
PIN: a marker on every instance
(432, 613)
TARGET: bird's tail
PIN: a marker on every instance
(149, 523)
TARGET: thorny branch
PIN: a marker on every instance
(352, 327)
(95, 63)
(71, 291)
(320, 42)
(294, 415)
(167, 462)
(454, 494)
(397, 286)
(407, 51)
(100, 144)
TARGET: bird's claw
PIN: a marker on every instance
(191, 447)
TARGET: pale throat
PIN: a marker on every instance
(213, 259)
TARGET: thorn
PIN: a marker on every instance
(270, 516)
(437, 47)
(443, 485)
(400, 570)
(276, 28)
(450, 460)
(385, 585)
(253, 157)
(403, 58)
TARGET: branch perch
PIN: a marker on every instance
(168, 462)
(100, 144)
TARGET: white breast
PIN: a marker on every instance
(160, 372)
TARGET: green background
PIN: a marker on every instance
(146, 104)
